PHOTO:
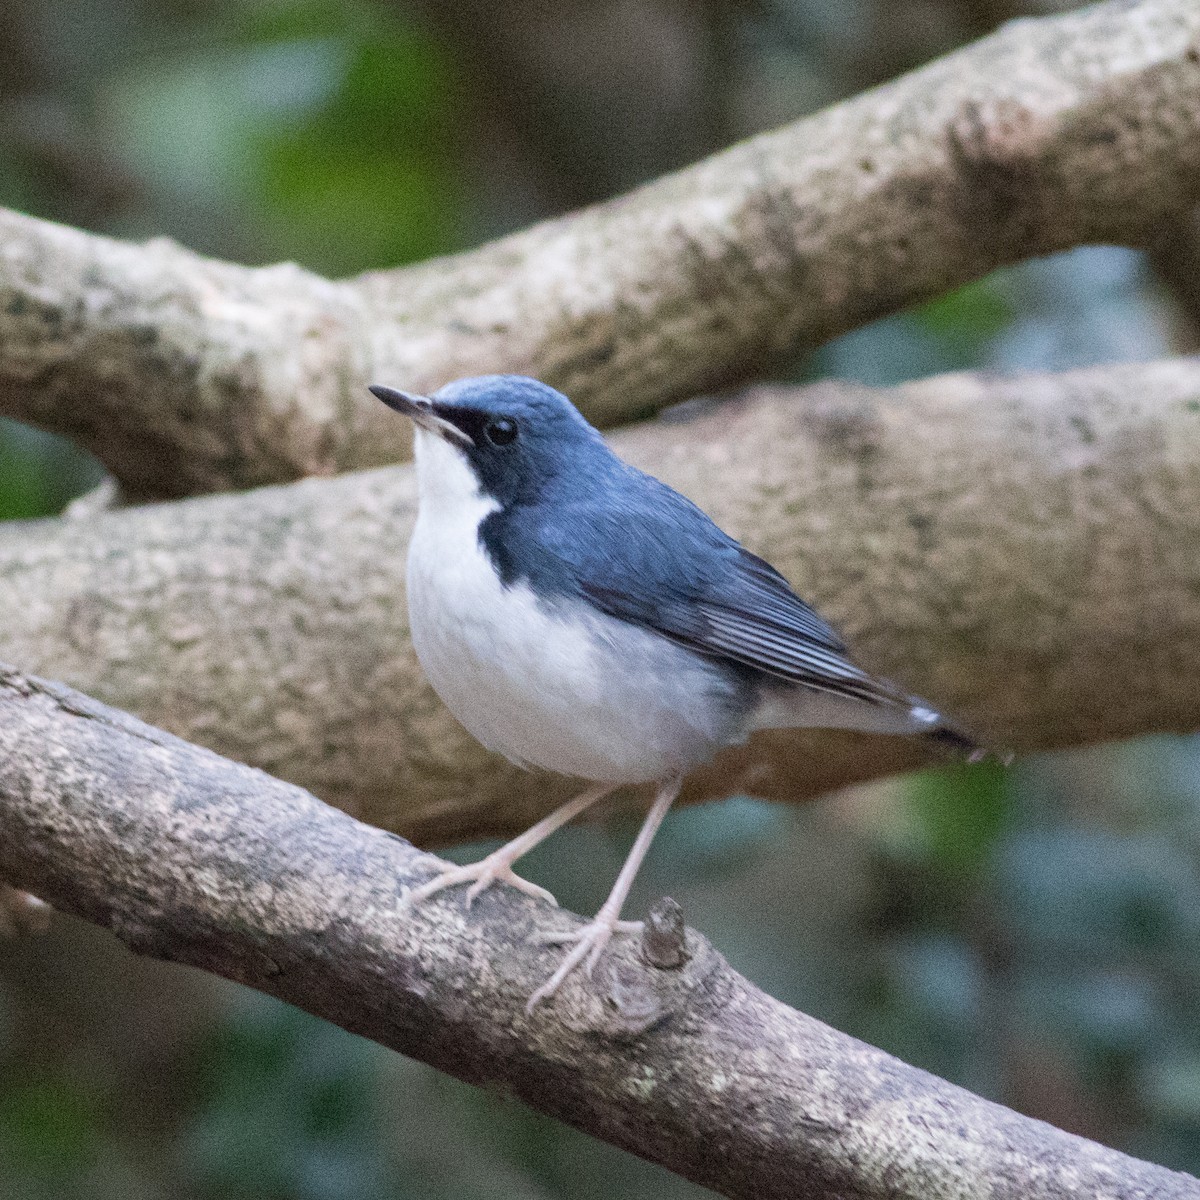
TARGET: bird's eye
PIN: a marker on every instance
(501, 432)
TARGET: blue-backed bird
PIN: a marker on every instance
(576, 614)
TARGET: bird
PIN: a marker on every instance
(576, 614)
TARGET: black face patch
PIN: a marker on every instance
(518, 450)
(470, 420)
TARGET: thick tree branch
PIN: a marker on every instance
(1022, 551)
(190, 857)
(188, 375)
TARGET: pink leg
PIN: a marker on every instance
(594, 936)
(498, 864)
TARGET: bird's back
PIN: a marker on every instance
(625, 543)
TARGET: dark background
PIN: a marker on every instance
(1033, 934)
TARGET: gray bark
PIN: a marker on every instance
(190, 857)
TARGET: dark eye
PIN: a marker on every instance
(501, 432)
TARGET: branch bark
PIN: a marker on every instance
(187, 375)
(1021, 551)
(192, 858)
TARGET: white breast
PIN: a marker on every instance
(559, 685)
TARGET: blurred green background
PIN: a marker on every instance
(1033, 933)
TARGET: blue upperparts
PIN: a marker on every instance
(576, 522)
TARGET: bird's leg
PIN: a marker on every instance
(498, 865)
(594, 936)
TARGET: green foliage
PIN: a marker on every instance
(968, 318)
(955, 815)
(957, 331)
(22, 481)
(366, 180)
(285, 1109)
(305, 132)
(50, 1126)
(40, 473)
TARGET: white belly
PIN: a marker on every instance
(558, 686)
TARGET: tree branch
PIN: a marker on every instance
(1021, 551)
(187, 375)
(192, 858)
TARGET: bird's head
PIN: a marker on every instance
(514, 434)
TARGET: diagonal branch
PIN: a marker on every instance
(186, 375)
(1021, 551)
(190, 857)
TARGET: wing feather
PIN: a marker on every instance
(786, 654)
(750, 615)
(657, 561)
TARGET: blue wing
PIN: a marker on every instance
(647, 555)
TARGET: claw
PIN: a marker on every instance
(497, 867)
(509, 876)
(590, 941)
(481, 876)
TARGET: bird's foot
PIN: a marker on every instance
(496, 868)
(590, 942)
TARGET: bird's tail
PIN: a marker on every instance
(885, 708)
(951, 740)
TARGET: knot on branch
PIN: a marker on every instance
(664, 937)
(629, 995)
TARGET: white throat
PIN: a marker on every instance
(447, 489)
